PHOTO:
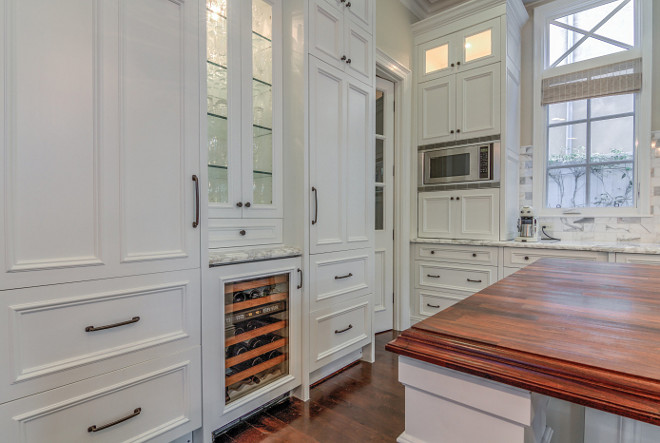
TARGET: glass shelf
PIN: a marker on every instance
(266, 173)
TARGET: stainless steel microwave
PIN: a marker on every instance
(460, 164)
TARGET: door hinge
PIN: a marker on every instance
(392, 297)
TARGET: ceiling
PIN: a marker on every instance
(425, 8)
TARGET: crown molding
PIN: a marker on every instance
(424, 9)
(417, 7)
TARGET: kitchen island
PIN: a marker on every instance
(588, 333)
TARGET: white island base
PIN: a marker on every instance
(446, 406)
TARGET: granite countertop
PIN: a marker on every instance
(220, 258)
(631, 248)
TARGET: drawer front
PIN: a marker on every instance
(479, 255)
(337, 332)
(644, 259)
(430, 303)
(340, 276)
(520, 257)
(244, 232)
(471, 279)
(59, 334)
(160, 399)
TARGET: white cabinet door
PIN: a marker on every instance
(99, 149)
(436, 215)
(477, 215)
(361, 12)
(435, 59)
(478, 102)
(436, 111)
(327, 138)
(358, 172)
(326, 33)
(478, 45)
(359, 53)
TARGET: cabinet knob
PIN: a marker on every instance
(526, 258)
(452, 198)
(458, 131)
(348, 5)
(242, 232)
(432, 252)
(458, 63)
(348, 61)
(474, 255)
(451, 132)
(343, 58)
(452, 65)
(247, 204)
(458, 198)
(239, 204)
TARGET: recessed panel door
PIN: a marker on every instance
(436, 111)
(478, 102)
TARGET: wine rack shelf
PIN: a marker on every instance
(255, 333)
(252, 284)
(247, 304)
(230, 380)
(256, 352)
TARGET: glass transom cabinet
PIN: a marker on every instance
(244, 102)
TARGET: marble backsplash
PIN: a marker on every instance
(597, 229)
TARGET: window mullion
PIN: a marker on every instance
(587, 178)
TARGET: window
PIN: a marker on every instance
(592, 120)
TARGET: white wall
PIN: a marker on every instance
(393, 31)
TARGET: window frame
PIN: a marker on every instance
(643, 41)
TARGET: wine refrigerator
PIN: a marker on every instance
(256, 334)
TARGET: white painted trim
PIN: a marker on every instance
(403, 160)
(643, 109)
(417, 7)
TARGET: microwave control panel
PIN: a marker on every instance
(484, 162)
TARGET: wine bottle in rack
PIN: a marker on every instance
(257, 342)
(240, 296)
(237, 349)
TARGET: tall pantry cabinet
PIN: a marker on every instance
(341, 176)
(99, 220)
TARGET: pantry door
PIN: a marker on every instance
(384, 220)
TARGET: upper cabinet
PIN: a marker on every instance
(100, 140)
(340, 35)
(474, 46)
(244, 102)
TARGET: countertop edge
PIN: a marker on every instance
(224, 258)
(638, 248)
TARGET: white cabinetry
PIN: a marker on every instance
(341, 35)
(467, 63)
(341, 176)
(465, 214)
(340, 181)
(244, 121)
(99, 217)
(446, 274)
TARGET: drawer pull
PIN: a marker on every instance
(116, 325)
(339, 331)
(473, 281)
(526, 258)
(432, 252)
(341, 277)
(432, 306)
(95, 428)
(474, 255)
(432, 276)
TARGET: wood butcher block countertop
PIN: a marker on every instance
(584, 332)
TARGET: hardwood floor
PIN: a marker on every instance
(364, 403)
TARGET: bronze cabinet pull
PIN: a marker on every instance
(115, 325)
(242, 232)
(239, 204)
(348, 61)
(301, 279)
(526, 258)
(474, 255)
(432, 306)
(432, 276)
(340, 277)
(348, 5)
(432, 252)
(339, 331)
(473, 281)
(248, 204)
(196, 180)
(316, 206)
(343, 58)
(95, 428)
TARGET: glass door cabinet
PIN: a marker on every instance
(244, 105)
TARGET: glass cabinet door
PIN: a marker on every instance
(217, 110)
(480, 44)
(262, 103)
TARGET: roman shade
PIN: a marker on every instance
(613, 79)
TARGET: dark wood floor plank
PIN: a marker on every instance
(365, 403)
